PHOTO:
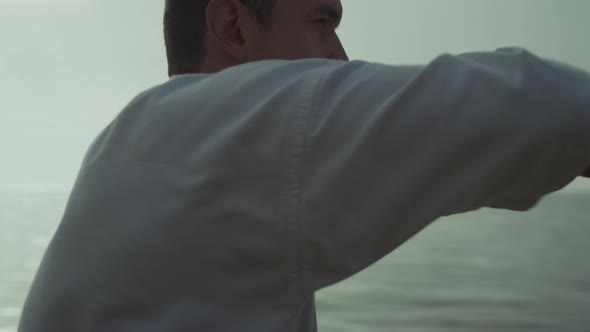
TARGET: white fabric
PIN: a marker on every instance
(223, 202)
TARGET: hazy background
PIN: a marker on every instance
(67, 67)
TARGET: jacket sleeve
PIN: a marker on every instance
(390, 149)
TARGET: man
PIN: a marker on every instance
(270, 166)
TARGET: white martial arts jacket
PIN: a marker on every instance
(222, 202)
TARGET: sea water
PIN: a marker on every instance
(488, 270)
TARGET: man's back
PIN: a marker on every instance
(179, 217)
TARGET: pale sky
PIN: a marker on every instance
(67, 67)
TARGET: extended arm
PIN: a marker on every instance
(390, 149)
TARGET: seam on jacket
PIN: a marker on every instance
(296, 151)
(306, 259)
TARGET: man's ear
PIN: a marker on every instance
(228, 22)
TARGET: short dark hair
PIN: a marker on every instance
(185, 26)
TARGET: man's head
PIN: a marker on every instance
(210, 35)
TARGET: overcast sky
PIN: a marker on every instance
(67, 67)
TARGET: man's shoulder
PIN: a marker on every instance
(265, 76)
(266, 69)
(273, 66)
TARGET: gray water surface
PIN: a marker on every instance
(489, 270)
